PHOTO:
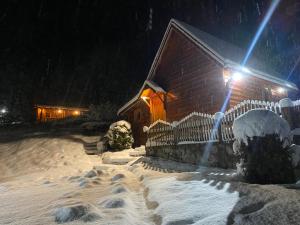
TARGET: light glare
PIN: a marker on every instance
(280, 90)
(246, 70)
(237, 76)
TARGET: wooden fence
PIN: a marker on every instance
(202, 128)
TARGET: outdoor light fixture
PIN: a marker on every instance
(59, 111)
(280, 90)
(76, 112)
(3, 111)
(237, 76)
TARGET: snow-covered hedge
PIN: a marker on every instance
(262, 142)
(119, 135)
(259, 123)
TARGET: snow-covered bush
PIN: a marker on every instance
(119, 135)
(262, 141)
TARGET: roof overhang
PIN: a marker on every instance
(61, 107)
(259, 74)
(147, 83)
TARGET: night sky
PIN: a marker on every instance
(84, 52)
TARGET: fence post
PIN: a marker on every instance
(218, 117)
(175, 132)
(287, 111)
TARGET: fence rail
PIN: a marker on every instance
(202, 128)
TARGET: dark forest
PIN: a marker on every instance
(79, 52)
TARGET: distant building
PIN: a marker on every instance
(46, 113)
(195, 71)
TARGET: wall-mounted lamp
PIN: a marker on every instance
(280, 90)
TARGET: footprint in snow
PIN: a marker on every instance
(117, 177)
(113, 203)
(118, 189)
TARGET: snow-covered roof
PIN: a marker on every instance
(148, 83)
(224, 52)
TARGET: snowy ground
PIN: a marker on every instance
(46, 180)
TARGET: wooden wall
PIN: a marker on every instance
(138, 116)
(44, 114)
(254, 88)
(193, 80)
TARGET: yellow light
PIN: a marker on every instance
(76, 112)
(144, 98)
(59, 111)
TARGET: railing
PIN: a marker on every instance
(240, 109)
(160, 133)
(195, 128)
(202, 128)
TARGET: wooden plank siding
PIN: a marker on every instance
(193, 80)
(254, 88)
(139, 116)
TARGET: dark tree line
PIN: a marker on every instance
(85, 52)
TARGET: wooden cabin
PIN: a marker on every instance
(195, 71)
(45, 113)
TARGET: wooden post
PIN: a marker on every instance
(175, 132)
(287, 111)
(218, 117)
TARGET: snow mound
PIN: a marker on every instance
(259, 123)
(62, 155)
(67, 214)
(191, 202)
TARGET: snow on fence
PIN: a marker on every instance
(195, 128)
(200, 127)
(297, 105)
(160, 133)
(240, 109)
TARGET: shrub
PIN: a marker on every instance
(119, 135)
(264, 160)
